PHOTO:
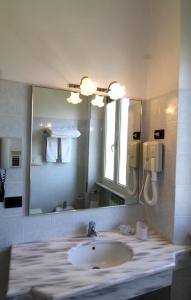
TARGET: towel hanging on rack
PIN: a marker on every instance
(66, 148)
(62, 132)
(51, 149)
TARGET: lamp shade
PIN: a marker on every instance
(116, 91)
(98, 101)
(88, 87)
(74, 98)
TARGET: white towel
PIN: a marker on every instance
(66, 145)
(51, 149)
(64, 132)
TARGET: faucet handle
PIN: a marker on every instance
(91, 229)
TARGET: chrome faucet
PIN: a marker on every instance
(91, 229)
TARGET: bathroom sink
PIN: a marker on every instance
(99, 254)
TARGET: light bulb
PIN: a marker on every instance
(49, 125)
(88, 87)
(116, 91)
(74, 98)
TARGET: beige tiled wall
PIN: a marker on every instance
(161, 113)
(182, 222)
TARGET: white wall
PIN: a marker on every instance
(56, 42)
(161, 113)
(183, 161)
(164, 43)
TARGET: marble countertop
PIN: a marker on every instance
(43, 266)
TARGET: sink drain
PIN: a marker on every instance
(96, 268)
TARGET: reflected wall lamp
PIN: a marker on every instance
(98, 101)
(74, 98)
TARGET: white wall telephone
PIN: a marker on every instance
(152, 163)
(133, 159)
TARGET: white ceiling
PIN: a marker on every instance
(54, 42)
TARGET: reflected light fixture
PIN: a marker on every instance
(87, 86)
(48, 125)
(74, 98)
(171, 109)
(126, 100)
(116, 91)
(98, 101)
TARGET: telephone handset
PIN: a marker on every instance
(152, 163)
(133, 163)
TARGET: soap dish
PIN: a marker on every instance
(127, 229)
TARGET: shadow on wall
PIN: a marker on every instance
(4, 272)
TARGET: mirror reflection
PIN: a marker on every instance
(82, 155)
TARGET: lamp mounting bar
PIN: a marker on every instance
(77, 86)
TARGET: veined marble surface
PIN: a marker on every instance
(43, 268)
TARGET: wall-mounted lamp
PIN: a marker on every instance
(74, 98)
(116, 91)
(87, 86)
(98, 101)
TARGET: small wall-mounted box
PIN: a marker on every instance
(10, 152)
(11, 202)
(15, 158)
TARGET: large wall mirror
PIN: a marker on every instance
(82, 156)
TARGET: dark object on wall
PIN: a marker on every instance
(2, 184)
(159, 134)
(11, 202)
(164, 293)
(136, 135)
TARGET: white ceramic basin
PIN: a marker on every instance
(99, 254)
